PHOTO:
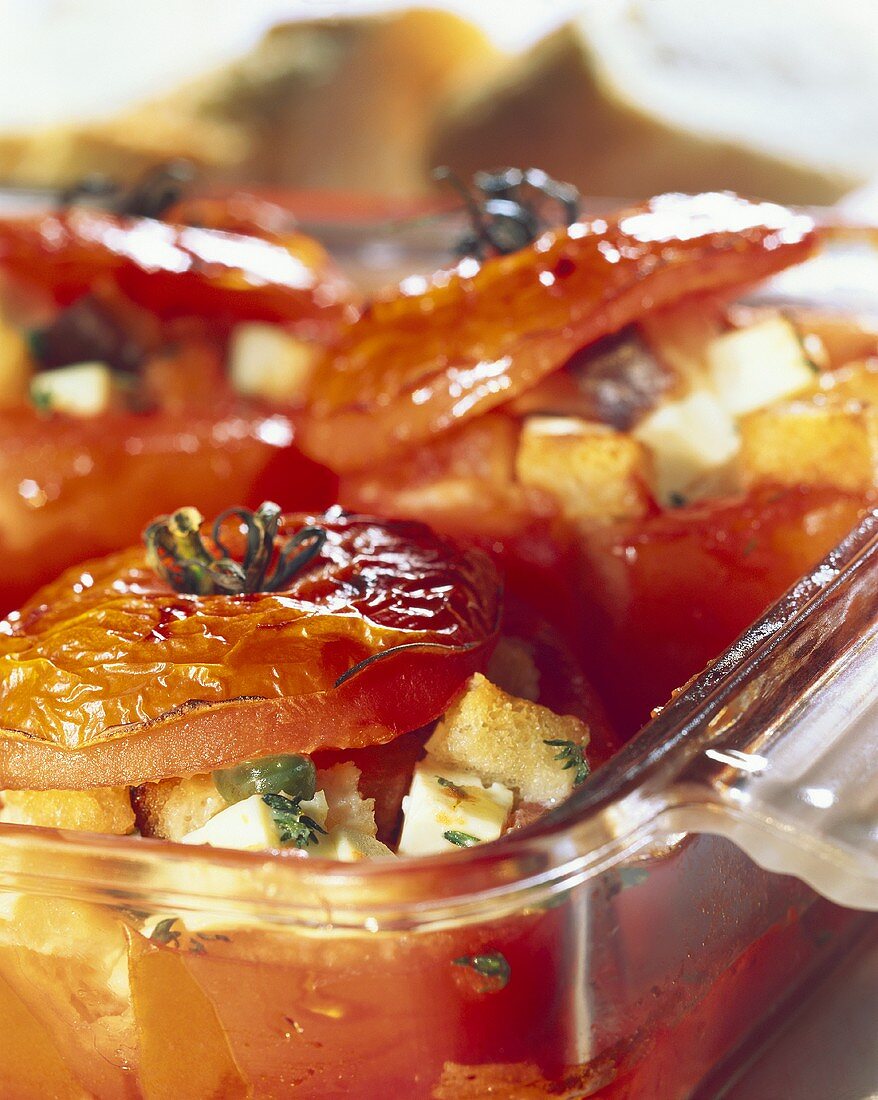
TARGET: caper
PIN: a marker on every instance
(290, 774)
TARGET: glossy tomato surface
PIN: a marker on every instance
(179, 270)
(72, 488)
(110, 677)
(440, 352)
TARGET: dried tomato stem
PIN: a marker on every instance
(177, 552)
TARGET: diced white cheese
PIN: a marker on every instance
(755, 366)
(350, 845)
(443, 800)
(247, 825)
(265, 361)
(84, 389)
(689, 438)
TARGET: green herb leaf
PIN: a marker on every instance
(492, 964)
(293, 826)
(41, 399)
(462, 840)
(573, 756)
(165, 933)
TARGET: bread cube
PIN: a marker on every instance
(819, 442)
(15, 364)
(503, 740)
(102, 810)
(589, 469)
(172, 808)
(347, 809)
(857, 381)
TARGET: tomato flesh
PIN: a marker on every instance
(663, 597)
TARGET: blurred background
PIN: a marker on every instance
(775, 98)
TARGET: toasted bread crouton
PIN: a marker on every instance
(589, 469)
(16, 365)
(172, 808)
(503, 740)
(102, 810)
(347, 807)
(820, 442)
(856, 380)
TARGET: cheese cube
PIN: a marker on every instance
(247, 825)
(350, 846)
(265, 361)
(754, 366)
(84, 389)
(589, 469)
(689, 439)
(445, 800)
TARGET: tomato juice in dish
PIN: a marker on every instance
(523, 501)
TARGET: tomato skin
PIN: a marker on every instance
(108, 677)
(71, 489)
(666, 595)
(417, 363)
(179, 271)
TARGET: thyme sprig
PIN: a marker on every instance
(462, 840)
(508, 209)
(177, 552)
(573, 756)
(293, 826)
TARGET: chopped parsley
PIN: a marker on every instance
(492, 965)
(573, 756)
(293, 826)
(462, 840)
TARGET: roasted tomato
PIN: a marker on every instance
(108, 676)
(417, 363)
(179, 270)
(77, 488)
(666, 595)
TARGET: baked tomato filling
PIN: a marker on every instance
(599, 466)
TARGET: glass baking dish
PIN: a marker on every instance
(623, 946)
(626, 945)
